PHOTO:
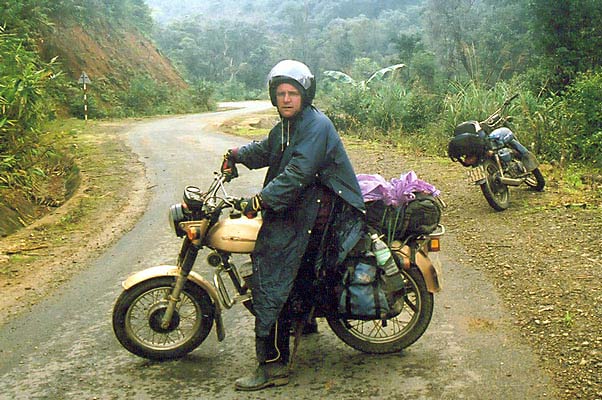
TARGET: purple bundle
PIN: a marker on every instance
(395, 192)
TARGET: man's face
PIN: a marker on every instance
(288, 100)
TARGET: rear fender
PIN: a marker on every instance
(172, 270)
(429, 272)
(419, 258)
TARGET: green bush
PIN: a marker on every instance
(144, 97)
(234, 90)
(421, 108)
(201, 96)
(24, 104)
(583, 102)
(387, 110)
(568, 127)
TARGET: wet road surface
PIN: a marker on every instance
(64, 348)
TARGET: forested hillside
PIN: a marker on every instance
(461, 57)
(45, 46)
(455, 61)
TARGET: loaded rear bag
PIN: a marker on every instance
(417, 217)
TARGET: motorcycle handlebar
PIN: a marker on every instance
(496, 118)
(509, 100)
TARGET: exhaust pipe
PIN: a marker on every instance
(510, 181)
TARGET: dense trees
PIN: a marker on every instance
(462, 57)
(24, 82)
(568, 36)
(454, 51)
(218, 51)
(326, 35)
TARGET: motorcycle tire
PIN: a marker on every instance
(535, 180)
(496, 193)
(396, 333)
(137, 315)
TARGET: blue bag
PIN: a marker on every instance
(363, 296)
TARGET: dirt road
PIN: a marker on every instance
(519, 316)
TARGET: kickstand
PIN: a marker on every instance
(298, 332)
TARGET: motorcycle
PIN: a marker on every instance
(497, 160)
(165, 312)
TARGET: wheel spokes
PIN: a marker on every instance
(143, 317)
(374, 330)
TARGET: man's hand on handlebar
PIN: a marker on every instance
(228, 166)
(249, 206)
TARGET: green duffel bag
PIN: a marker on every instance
(417, 217)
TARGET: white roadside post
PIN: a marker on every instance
(85, 80)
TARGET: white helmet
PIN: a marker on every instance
(296, 73)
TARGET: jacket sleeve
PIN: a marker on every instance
(309, 156)
(255, 154)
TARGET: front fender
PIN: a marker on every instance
(172, 270)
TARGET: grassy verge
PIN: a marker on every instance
(109, 177)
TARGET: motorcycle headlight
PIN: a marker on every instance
(176, 215)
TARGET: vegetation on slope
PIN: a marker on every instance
(45, 46)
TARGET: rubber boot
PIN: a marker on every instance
(266, 374)
(279, 348)
(283, 340)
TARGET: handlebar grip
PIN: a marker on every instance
(240, 204)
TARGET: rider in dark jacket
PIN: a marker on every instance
(309, 175)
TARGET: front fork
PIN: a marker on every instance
(186, 260)
(498, 161)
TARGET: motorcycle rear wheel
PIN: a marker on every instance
(398, 332)
(137, 316)
(535, 180)
(496, 193)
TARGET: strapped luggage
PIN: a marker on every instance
(362, 296)
(417, 217)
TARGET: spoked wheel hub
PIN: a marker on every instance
(496, 192)
(155, 319)
(139, 311)
(496, 184)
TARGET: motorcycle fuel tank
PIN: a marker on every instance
(234, 235)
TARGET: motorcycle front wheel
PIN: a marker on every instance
(535, 180)
(496, 193)
(393, 334)
(137, 318)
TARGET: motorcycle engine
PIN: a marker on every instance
(516, 169)
(505, 155)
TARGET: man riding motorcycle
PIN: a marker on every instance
(312, 211)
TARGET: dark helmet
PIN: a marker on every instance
(295, 73)
(466, 144)
(468, 127)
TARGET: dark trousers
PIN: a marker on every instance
(301, 298)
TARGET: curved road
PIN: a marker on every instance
(65, 348)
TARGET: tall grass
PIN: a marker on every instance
(564, 128)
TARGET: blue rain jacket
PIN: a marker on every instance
(304, 155)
